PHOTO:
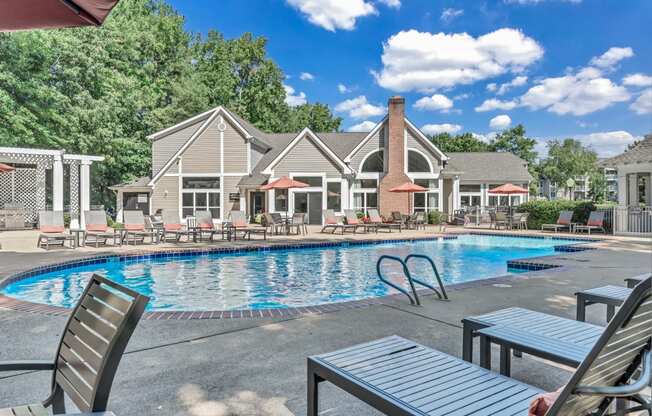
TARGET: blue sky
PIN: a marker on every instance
(563, 68)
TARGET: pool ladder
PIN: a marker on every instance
(414, 298)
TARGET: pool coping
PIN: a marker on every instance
(529, 264)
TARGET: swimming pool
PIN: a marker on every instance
(284, 278)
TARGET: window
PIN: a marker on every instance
(314, 181)
(200, 194)
(516, 200)
(470, 200)
(469, 188)
(417, 162)
(334, 196)
(362, 201)
(281, 199)
(426, 201)
(366, 184)
(427, 183)
(374, 163)
(493, 201)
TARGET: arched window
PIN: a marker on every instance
(417, 162)
(374, 163)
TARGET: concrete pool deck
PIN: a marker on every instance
(258, 366)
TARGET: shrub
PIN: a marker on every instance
(547, 212)
(435, 217)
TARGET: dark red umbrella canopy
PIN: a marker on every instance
(408, 187)
(50, 14)
(508, 189)
(284, 183)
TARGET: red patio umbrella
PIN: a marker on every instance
(50, 14)
(508, 189)
(284, 183)
(408, 188)
(6, 168)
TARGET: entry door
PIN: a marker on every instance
(136, 201)
(314, 208)
(256, 203)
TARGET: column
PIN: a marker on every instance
(40, 190)
(85, 191)
(57, 183)
(119, 206)
(483, 195)
(456, 193)
(441, 194)
(73, 178)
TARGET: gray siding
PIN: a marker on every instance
(160, 200)
(377, 141)
(235, 151)
(230, 186)
(414, 143)
(164, 148)
(203, 155)
(306, 157)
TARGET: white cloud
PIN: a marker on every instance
(612, 57)
(516, 82)
(643, 104)
(441, 128)
(392, 3)
(343, 89)
(334, 14)
(306, 76)
(500, 122)
(364, 126)
(607, 143)
(494, 104)
(484, 137)
(638, 80)
(424, 61)
(450, 14)
(292, 99)
(437, 102)
(359, 107)
(492, 87)
(463, 96)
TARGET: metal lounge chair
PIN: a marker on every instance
(173, 228)
(400, 377)
(594, 223)
(135, 230)
(204, 225)
(239, 224)
(563, 222)
(89, 351)
(352, 219)
(331, 223)
(612, 296)
(52, 230)
(377, 220)
(97, 231)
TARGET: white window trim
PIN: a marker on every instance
(407, 159)
(367, 157)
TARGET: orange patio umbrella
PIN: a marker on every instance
(508, 189)
(50, 14)
(284, 183)
(6, 168)
(408, 188)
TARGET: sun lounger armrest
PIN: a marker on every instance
(622, 391)
(26, 365)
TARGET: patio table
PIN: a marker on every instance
(76, 232)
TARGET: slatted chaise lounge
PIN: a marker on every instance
(204, 225)
(352, 219)
(377, 220)
(134, 225)
(331, 223)
(89, 351)
(400, 377)
(52, 230)
(563, 222)
(97, 230)
(594, 223)
(239, 224)
(173, 229)
(611, 295)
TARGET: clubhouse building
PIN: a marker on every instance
(218, 161)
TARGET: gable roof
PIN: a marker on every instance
(496, 167)
(641, 153)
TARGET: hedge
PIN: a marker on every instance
(547, 212)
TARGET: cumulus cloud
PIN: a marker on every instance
(643, 104)
(437, 102)
(516, 82)
(638, 80)
(492, 87)
(612, 57)
(293, 99)
(359, 107)
(462, 96)
(392, 3)
(364, 126)
(424, 61)
(494, 104)
(343, 89)
(449, 14)
(441, 128)
(306, 76)
(334, 14)
(500, 122)
(607, 143)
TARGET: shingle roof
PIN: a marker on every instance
(497, 167)
(136, 183)
(641, 153)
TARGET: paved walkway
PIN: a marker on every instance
(258, 367)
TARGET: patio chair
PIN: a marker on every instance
(239, 224)
(397, 218)
(97, 231)
(173, 228)
(134, 226)
(377, 220)
(416, 221)
(382, 373)
(500, 220)
(331, 223)
(522, 222)
(52, 230)
(204, 225)
(563, 222)
(352, 219)
(594, 223)
(89, 351)
(298, 223)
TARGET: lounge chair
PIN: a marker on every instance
(298, 223)
(331, 223)
(400, 377)
(416, 221)
(352, 219)
(173, 228)
(52, 230)
(594, 223)
(204, 225)
(397, 218)
(377, 220)
(563, 222)
(97, 230)
(239, 224)
(611, 295)
(89, 351)
(134, 226)
(274, 223)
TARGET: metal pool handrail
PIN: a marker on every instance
(441, 295)
(414, 299)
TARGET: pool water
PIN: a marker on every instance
(285, 278)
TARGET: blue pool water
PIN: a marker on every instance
(284, 278)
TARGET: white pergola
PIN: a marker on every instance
(27, 184)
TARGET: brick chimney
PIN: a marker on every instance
(395, 172)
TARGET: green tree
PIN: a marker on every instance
(465, 142)
(598, 186)
(567, 160)
(317, 117)
(515, 140)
